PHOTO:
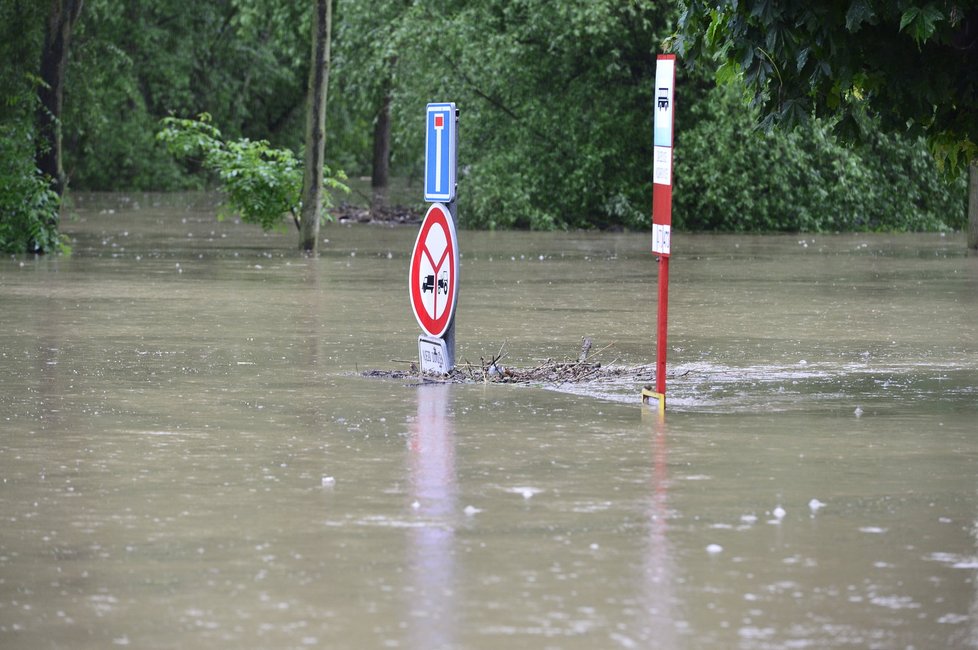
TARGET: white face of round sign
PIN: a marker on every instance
(433, 276)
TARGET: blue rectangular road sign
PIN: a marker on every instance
(439, 156)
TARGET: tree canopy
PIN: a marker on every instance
(913, 66)
(245, 62)
(555, 101)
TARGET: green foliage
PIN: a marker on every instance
(869, 64)
(921, 22)
(731, 176)
(29, 208)
(21, 36)
(555, 101)
(133, 63)
(262, 183)
(368, 41)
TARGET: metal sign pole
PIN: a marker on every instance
(449, 335)
(662, 126)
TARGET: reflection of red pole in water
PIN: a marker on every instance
(660, 623)
(434, 489)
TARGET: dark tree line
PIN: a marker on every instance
(555, 100)
(864, 66)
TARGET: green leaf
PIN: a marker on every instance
(859, 12)
(921, 21)
(908, 17)
(728, 72)
(717, 23)
(802, 58)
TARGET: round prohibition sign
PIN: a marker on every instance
(433, 276)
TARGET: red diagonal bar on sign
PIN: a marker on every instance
(441, 260)
(435, 267)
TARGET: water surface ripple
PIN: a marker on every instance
(189, 458)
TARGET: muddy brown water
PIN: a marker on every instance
(190, 459)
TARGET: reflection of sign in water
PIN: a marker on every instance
(659, 619)
(434, 492)
(433, 276)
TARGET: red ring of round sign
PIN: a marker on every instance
(433, 276)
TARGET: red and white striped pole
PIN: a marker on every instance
(662, 130)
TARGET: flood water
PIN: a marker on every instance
(189, 457)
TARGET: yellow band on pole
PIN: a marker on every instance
(648, 395)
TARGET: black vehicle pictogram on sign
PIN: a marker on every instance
(428, 286)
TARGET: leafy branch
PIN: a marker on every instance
(262, 183)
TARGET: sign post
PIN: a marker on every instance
(662, 123)
(434, 271)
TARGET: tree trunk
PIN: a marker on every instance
(312, 183)
(54, 61)
(973, 205)
(380, 177)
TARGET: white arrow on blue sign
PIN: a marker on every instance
(439, 160)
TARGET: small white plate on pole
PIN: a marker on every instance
(433, 353)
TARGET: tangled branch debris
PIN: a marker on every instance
(584, 369)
